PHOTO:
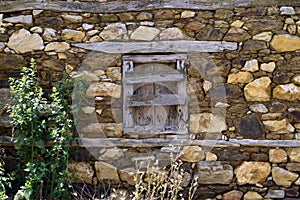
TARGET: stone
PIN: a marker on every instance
(112, 154)
(285, 43)
(258, 108)
(22, 41)
(268, 67)
(12, 62)
(187, 14)
(250, 195)
(95, 38)
(145, 33)
(236, 35)
(240, 77)
(296, 80)
(57, 46)
(250, 126)
(164, 14)
(49, 34)
(83, 172)
(294, 155)
(144, 16)
(37, 12)
(104, 89)
(88, 27)
(194, 26)
(294, 115)
(271, 116)
(275, 194)
(88, 109)
(252, 172)
(277, 155)
(264, 36)
(171, 34)
(258, 90)
(259, 25)
(211, 157)
(287, 92)
(109, 18)
(251, 66)
(114, 73)
(125, 17)
(23, 19)
(209, 33)
(72, 18)
(93, 32)
(254, 45)
(214, 172)
(284, 10)
(279, 126)
(115, 31)
(128, 175)
(297, 181)
(207, 85)
(221, 24)
(105, 171)
(207, 122)
(221, 105)
(283, 177)
(36, 29)
(237, 24)
(108, 129)
(3, 37)
(69, 34)
(192, 154)
(85, 76)
(233, 195)
(48, 63)
(2, 46)
(292, 192)
(223, 14)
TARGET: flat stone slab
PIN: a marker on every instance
(159, 46)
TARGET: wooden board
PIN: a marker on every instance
(177, 46)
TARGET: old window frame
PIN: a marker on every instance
(179, 99)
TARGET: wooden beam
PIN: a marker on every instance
(170, 58)
(136, 5)
(6, 141)
(152, 78)
(178, 46)
(162, 100)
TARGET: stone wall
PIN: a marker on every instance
(243, 86)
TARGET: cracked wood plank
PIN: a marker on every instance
(178, 46)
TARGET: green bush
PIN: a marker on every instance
(42, 131)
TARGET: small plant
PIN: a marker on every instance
(154, 183)
(42, 130)
(4, 182)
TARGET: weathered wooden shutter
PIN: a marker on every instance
(154, 94)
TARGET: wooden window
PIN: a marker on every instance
(154, 94)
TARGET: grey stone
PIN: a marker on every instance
(275, 194)
(214, 172)
(2, 46)
(287, 10)
(251, 127)
(259, 108)
(24, 19)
